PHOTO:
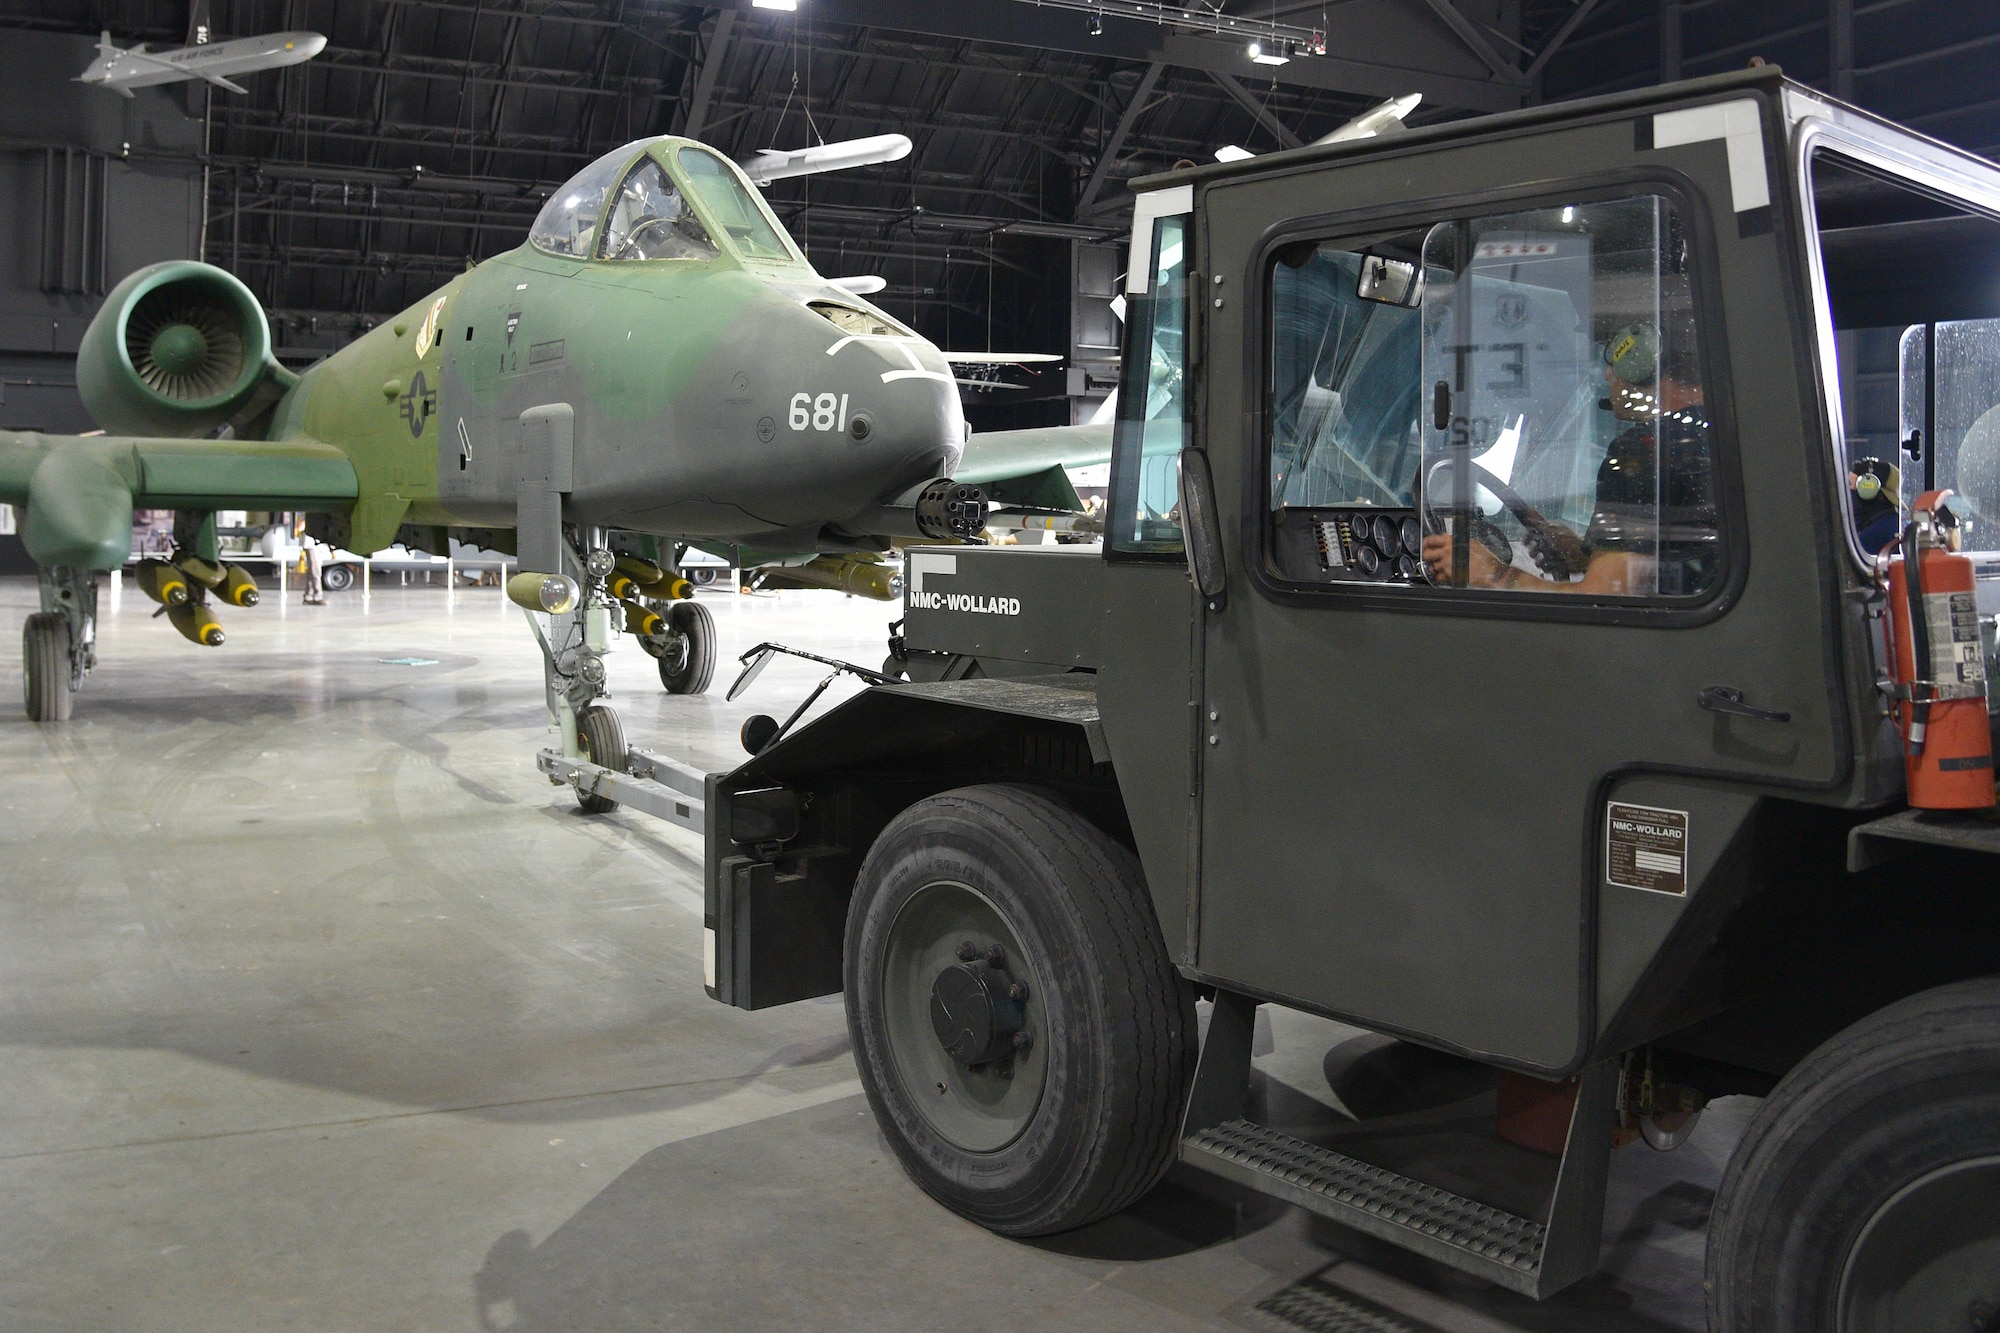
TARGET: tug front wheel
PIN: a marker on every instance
(1861, 1198)
(687, 662)
(1021, 1032)
(46, 679)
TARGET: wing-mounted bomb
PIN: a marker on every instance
(178, 349)
(232, 583)
(163, 582)
(858, 576)
(181, 586)
(632, 578)
(196, 623)
(642, 620)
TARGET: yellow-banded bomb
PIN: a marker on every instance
(161, 582)
(643, 620)
(196, 623)
(238, 588)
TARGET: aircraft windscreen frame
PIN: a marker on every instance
(1902, 242)
(733, 210)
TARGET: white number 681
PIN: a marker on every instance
(826, 412)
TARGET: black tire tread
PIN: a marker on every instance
(45, 668)
(601, 735)
(692, 619)
(1937, 1035)
(1107, 894)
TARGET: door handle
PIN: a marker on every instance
(1729, 699)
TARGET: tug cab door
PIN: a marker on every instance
(1488, 506)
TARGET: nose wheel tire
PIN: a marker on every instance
(1021, 1032)
(46, 684)
(602, 740)
(336, 578)
(1861, 1200)
(687, 663)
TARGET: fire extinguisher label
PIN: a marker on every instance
(1956, 657)
(1645, 847)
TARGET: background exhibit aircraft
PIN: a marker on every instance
(657, 364)
(123, 69)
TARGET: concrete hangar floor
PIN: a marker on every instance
(320, 1008)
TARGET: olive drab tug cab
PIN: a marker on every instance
(1486, 649)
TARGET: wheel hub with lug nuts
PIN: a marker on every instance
(979, 1012)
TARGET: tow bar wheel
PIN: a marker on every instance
(1020, 1030)
(1865, 1196)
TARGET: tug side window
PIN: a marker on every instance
(1510, 403)
(1152, 422)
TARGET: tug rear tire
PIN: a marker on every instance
(45, 668)
(1861, 1199)
(601, 737)
(1020, 1030)
(689, 667)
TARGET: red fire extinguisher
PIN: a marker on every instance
(1937, 668)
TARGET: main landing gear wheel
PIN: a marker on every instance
(1020, 1030)
(1861, 1199)
(602, 740)
(47, 683)
(687, 663)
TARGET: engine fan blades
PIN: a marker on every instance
(184, 348)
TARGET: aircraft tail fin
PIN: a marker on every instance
(96, 71)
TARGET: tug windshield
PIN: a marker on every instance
(1152, 425)
(1910, 279)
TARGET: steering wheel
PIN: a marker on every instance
(1556, 551)
(632, 241)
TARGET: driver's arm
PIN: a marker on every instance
(1607, 575)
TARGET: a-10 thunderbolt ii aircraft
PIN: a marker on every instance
(658, 364)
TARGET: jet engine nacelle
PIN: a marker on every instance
(178, 349)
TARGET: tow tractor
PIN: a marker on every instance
(1544, 618)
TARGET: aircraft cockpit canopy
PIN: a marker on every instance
(654, 207)
(569, 219)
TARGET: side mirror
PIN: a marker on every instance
(754, 663)
(1390, 281)
(1202, 532)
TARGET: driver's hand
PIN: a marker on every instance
(1486, 572)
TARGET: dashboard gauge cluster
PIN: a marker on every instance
(1385, 545)
(1348, 544)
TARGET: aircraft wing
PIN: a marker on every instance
(79, 491)
(1025, 467)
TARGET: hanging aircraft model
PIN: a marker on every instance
(657, 365)
(122, 69)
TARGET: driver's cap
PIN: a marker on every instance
(1633, 353)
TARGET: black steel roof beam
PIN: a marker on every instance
(381, 84)
(1417, 66)
(1140, 101)
(714, 53)
(1468, 32)
(1258, 111)
(1569, 26)
(439, 69)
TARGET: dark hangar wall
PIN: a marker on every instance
(427, 135)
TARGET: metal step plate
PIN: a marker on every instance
(1450, 1228)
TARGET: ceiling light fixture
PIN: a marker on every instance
(786, 6)
(1231, 153)
(1097, 25)
(1259, 56)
